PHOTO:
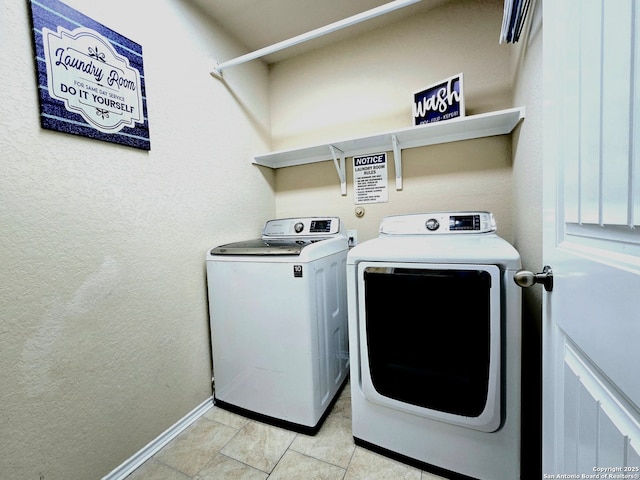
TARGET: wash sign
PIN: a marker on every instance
(441, 101)
(370, 182)
(90, 78)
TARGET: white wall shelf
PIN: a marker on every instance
(501, 122)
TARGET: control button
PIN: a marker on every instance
(298, 227)
(432, 224)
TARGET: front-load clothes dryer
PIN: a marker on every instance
(278, 314)
(435, 341)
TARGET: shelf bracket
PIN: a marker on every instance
(397, 157)
(339, 163)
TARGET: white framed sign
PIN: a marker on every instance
(370, 183)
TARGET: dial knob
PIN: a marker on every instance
(432, 224)
(298, 227)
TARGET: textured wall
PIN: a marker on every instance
(527, 185)
(103, 314)
(365, 87)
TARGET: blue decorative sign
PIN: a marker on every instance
(90, 78)
(441, 101)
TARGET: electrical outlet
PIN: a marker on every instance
(352, 235)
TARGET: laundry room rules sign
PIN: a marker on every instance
(90, 78)
(370, 182)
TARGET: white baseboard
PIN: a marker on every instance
(152, 448)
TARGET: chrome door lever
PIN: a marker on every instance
(525, 278)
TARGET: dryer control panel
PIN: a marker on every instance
(438, 223)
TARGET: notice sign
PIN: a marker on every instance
(370, 179)
(90, 78)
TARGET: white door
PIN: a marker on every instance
(591, 324)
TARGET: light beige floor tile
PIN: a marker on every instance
(251, 450)
(259, 445)
(194, 447)
(295, 466)
(154, 470)
(367, 465)
(333, 443)
(222, 467)
(226, 417)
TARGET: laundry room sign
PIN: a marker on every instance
(90, 78)
(441, 101)
(370, 181)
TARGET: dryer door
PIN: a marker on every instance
(430, 340)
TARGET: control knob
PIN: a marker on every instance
(432, 224)
(298, 227)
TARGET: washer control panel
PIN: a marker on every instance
(305, 226)
(438, 223)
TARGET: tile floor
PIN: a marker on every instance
(224, 446)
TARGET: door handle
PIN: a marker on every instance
(525, 278)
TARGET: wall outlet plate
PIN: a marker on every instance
(352, 235)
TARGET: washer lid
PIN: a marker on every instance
(287, 236)
(260, 246)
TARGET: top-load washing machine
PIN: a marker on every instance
(435, 341)
(278, 313)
